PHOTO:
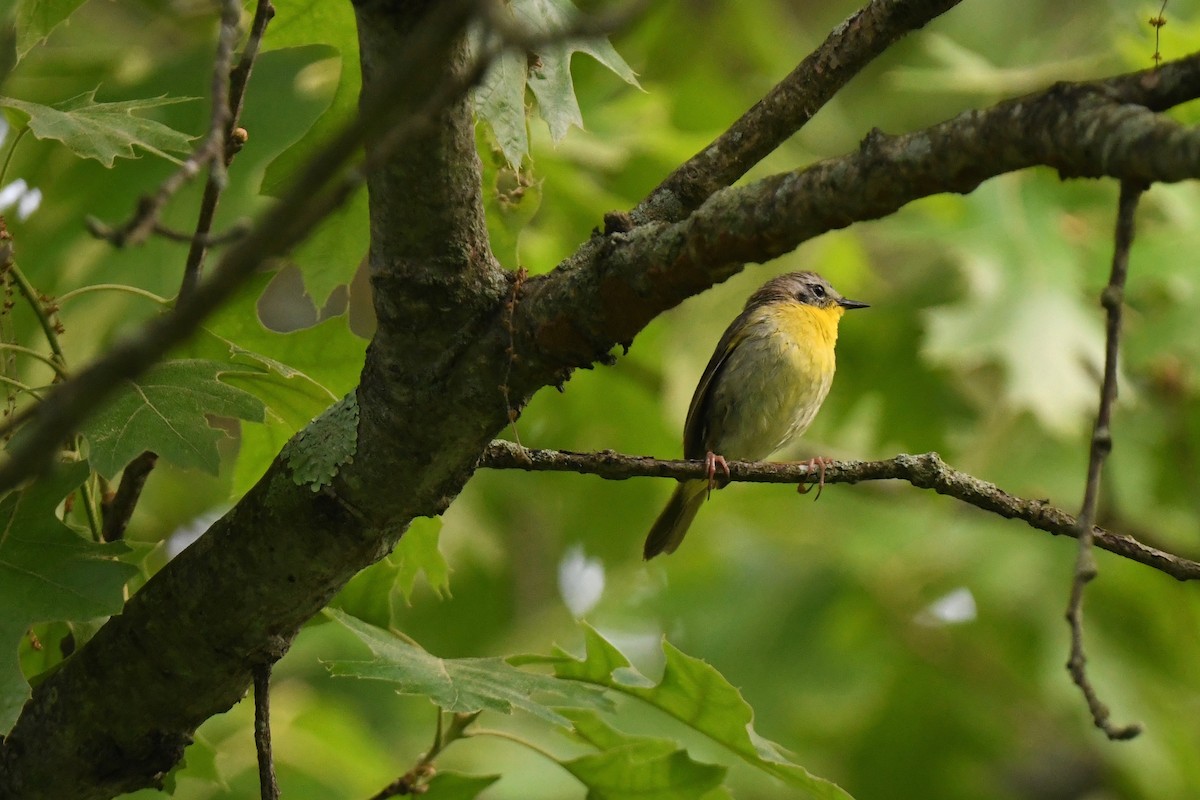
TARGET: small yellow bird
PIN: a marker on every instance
(762, 387)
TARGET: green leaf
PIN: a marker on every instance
(329, 256)
(418, 552)
(550, 78)
(639, 771)
(165, 410)
(462, 685)
(369, 595)
(300, 23)
(104, 131)
(457, 786)
(638, 766)
(310, 367)
(291, 397)
(500, 98)
(373, 594)
(48, 572)
(1025, 309)
(500, 101)
(199, 763)
(511, 199)
(327, 353)
(694, 693)
(36, 19)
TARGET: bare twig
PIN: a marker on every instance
(1157, 22)
(925, 471)
(414, 781)
(119, 509)
(210, 153)
(268, 786)
(229, 92)
(1085, 565)
(234, 233)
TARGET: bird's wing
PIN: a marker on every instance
(695, 430)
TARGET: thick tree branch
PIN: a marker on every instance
(609, 290)
(925, 471)
(117, 715)
(320, 188)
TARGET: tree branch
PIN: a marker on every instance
(229, 93)
(319, 189)
(613, 286)
(210, 153)
(925, 471)
(267, 784)
(119, 712)
(1101, 446)
(416, 780)
(789, 105)
(119, 509)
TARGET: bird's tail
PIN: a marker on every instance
(673, 523)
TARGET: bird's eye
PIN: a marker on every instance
(818, 291)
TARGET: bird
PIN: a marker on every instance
(764, 384)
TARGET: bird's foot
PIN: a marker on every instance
(711, 461)
(820, 464)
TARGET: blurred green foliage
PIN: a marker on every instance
(983, 343)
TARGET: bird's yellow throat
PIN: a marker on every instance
(810, 325)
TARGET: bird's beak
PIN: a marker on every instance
(844, 303)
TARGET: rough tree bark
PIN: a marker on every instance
(117, 715)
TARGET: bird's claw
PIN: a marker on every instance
(711, 460)
(820, 464)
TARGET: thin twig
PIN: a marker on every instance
(111, 287)
(119, 509)
(925, 471)
(229, 88)
(268, 786)
(202, 240)
(37, 304)
(209, 154)
(23, 388)
(34, 354)
(1085, 565)
(44, 310)
(414, 781)
(1157, 22)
